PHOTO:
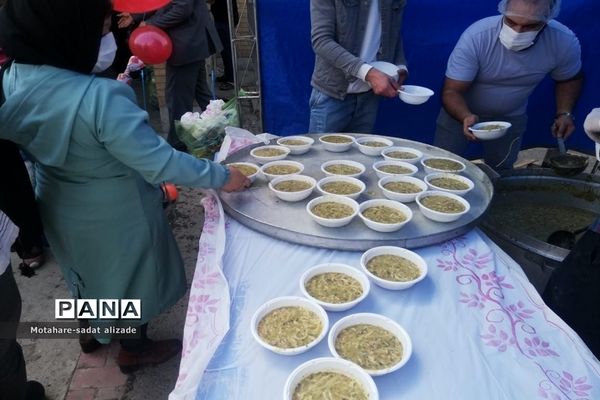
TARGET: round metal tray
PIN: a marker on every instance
(259, 209)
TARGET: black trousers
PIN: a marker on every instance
(223, 31)
(17, 199)
(185, 83)
(13, 377)
(573, 291)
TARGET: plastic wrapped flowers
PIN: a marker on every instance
(203, 133)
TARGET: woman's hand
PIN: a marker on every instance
(125, 20)
(237, 181)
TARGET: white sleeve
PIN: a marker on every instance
(592, 125)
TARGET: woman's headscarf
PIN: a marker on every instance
(62, 33)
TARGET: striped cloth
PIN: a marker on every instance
(8, 235)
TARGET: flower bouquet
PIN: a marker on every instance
(203, 133)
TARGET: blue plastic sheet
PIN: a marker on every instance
(431, 29)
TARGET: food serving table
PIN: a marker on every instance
(259, 209)
(479, 328)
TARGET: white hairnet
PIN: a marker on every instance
(545, 9)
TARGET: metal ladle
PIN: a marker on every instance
(565, 239)
(567, 164)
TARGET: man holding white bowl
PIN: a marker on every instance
(495, 66)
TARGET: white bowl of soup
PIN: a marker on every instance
(265, 154)
(329, 376)
(415, 95)
(275, 169)
(383, 215)
(341, 186)
(372, 145)
(451, 183)
(442, 206)
(332, 211)
(383, 169)
(248, 169)
(490, 130)
(296, 144)
(289, 325)
(404, 154)
(292, 188)
(393, 268)
(334, 286)
(376, 343)
(336, 142)
(348, 168)
(401, 188)
(442, 164)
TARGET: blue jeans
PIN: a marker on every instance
(499, 154)
(356, 113)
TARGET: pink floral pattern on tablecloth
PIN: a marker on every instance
(506, 323)
(207, 319)
(207, 316)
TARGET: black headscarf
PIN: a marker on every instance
(62, 33)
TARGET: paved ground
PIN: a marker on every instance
(58, 364)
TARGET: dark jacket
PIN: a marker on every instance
(337, 31)
(191, 29)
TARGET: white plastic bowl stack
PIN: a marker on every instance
(297, 149)
(270, 177)
(381, 174)
(343, 162)
(384, 227)
(459, 192)
(415, 95)
(329, 222)
(481, 133)
(293, 196)
(372, 151)
(288, 301)
(339, 268)
(263, 160)
(381, 322)
(431, 170)
(330, 364)
(342, 178)
(395, 251)
(441, 216)
(418, 154)
(401, 197)
(247, 164)
(336, 147)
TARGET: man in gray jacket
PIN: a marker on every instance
(346, 36)
(192, 31)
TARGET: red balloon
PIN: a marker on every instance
(151, 44)
(138, 6)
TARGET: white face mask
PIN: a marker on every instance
(516, 41)
(106, 53)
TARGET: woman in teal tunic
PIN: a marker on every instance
(99, 162)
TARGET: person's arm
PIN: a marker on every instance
(123, 129)
(399, 56)
(323, 24)
(453, 101)
(177, 12)
(566, 92)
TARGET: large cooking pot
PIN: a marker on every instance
(529, 205)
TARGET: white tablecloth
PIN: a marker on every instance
(479, 329)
